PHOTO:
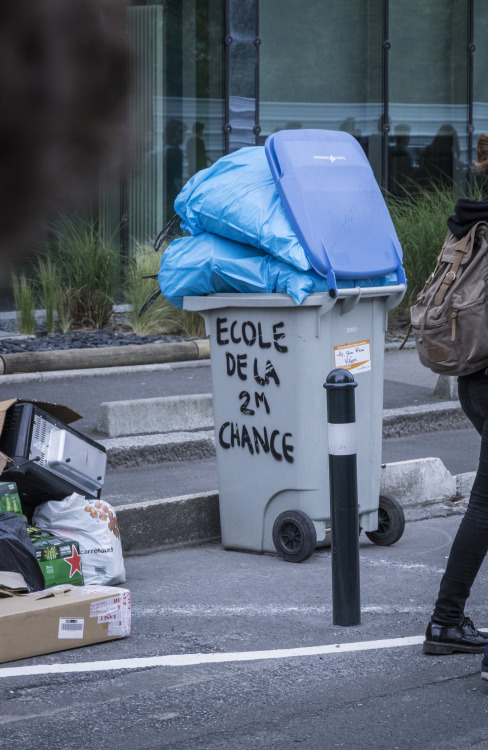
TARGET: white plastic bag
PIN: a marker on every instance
(93, 524)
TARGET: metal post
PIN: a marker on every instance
(346, 608)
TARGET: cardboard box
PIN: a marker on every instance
(9, 499)
(59, 558)
(61, 618)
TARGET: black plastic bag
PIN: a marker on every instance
(17, 553)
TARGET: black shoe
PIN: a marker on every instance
(446, 639)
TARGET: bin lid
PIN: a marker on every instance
(334, 204)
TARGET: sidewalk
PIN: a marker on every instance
(156, 415)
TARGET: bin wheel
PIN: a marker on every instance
(391, 522)
(294, 536)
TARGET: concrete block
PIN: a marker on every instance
(464, 483)
(418, 482)
(148, 416)
(446, 387)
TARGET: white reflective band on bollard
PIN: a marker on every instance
(342, 439)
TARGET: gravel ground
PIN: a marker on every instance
(119, 335)
(94, 339)
(81, 340)
(11, 342)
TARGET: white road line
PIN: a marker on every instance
(255, 610)
(187, 660)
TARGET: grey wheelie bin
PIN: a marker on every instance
(269, 360)
(271, 357)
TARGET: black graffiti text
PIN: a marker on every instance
(270, 374)
(278, 445)
(249, 334)
(259, 399)
(236, 364)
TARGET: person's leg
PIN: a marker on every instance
(468, 548)
(448, 625)
(473, 397)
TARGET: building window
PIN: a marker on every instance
(321, 67)
(212, 76)
(428, 96)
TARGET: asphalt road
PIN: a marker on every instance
(458, 449)
(210, 604)
(85, 393)
(406, 383)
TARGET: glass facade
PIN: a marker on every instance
(176, 112)
(331, 76)
(428, 94)
(479, 84)
(407, 79)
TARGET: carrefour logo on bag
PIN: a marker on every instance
(330, 158)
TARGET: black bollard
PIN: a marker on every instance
(341, 411)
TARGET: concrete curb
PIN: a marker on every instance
(410, 420)
(189, 424)
(99, 372)
(104, 356)
(172, 522)
(153, 449)
(424, 488)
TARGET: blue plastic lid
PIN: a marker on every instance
(334, 204)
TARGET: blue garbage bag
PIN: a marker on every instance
(206, 263)
(237, 198)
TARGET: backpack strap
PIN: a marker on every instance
(462, 247)
(409, 331)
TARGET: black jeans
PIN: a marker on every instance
(471, 541)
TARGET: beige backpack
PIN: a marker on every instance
(450, 318)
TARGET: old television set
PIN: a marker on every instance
(49, 460)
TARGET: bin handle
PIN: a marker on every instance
(351, 297)
(349, 302)
(372, 291)
(396, 297)
(394, 292)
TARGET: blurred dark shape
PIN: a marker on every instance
(196, 153)
(174, 132)
(400, 165)
(64, 83)
(349, 125)
(439, 161)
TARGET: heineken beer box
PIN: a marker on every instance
(60, 559)
(9, 499)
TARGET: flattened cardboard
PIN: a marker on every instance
(4, 460)
(61, 618)
(11, 583)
